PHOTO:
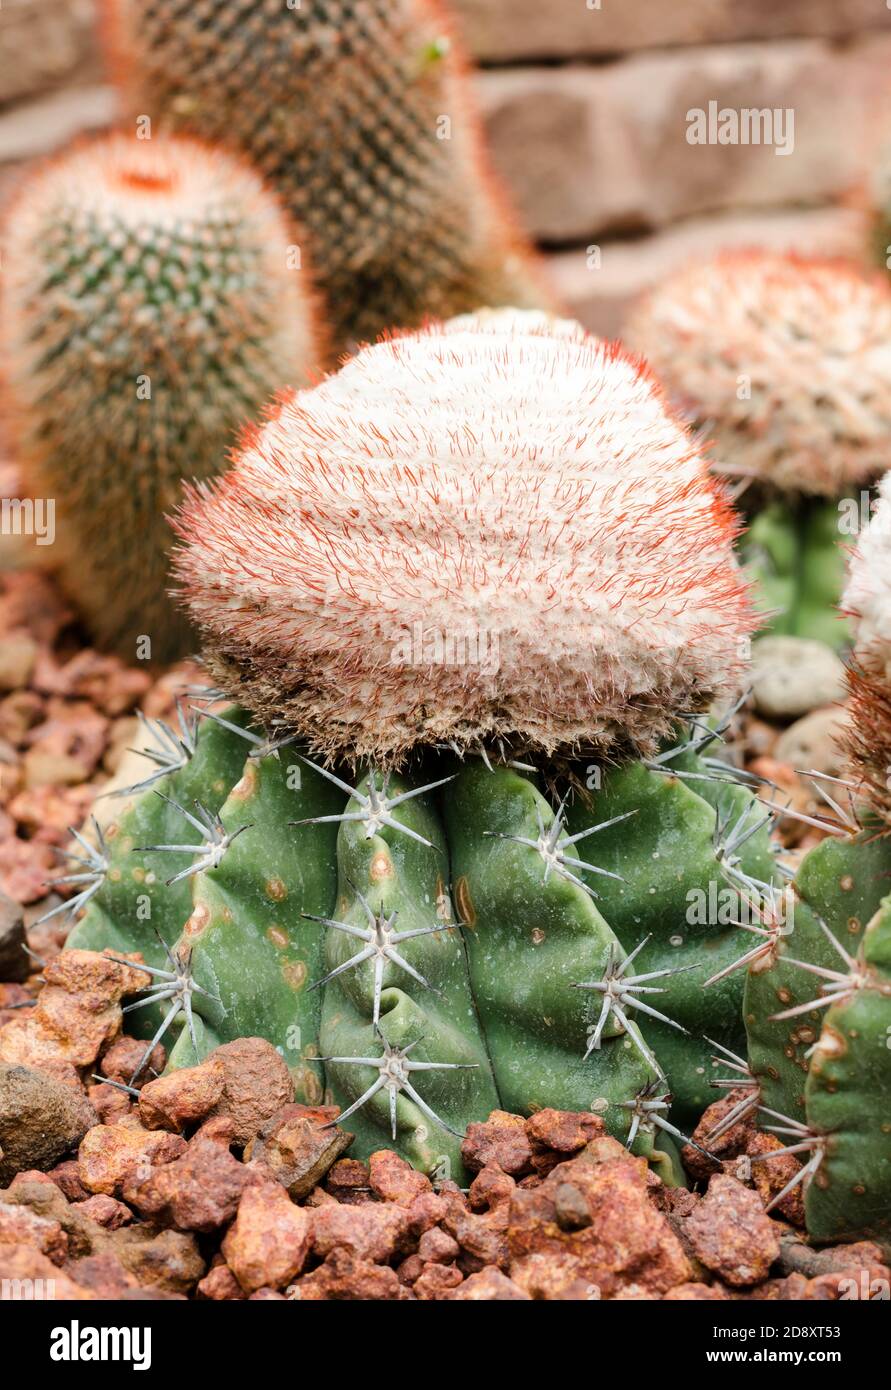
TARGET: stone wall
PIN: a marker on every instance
(586, 104)
(51, 79)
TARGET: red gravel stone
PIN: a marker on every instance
(502, 1140)
(344, 1277)
(731, 1234)
(374, 1231)
(269, 1241)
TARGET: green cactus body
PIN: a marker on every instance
(379, 875)
(841, 883)
(846, 1094)
(793, 552)
(135, 906)
(435, 936)
(532, 935)
(251, 946)
(673, 886)
(149, 312)
(358, 114)
(824, 1073)
(879, 239)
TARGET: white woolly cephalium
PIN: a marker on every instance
(491, 528)
(784, 362)
(867, 599)
(868, 594)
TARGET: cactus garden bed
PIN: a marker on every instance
(213, 1182)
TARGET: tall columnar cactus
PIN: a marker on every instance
(784, 364)
(150, 307)
(359, 113)
(818, 988)
(473, 590)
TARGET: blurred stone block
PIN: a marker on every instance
(43, 45)
(591, 150)
(40, 127)
(511, 30)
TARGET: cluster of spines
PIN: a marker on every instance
(782, 360)
(374, 938)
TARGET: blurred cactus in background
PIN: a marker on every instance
(360, 115)
(784, 364)
(150, 308)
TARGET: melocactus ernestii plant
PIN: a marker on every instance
(472, 592)
(501, 476)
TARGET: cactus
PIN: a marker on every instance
(817, 1000)
(422, 888)
(360, 115)
(867, 600)
(148, 311)
(793, 553)
(817, 1008)
(434, 537)
(783, 362)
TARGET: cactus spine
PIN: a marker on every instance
(149, 310)
(360, 115)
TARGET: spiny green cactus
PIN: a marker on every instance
(817, 1009)
(483, 915)
(818, 992)
(782, 362)
(358, 112)
(148, 312)
(456, 918)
